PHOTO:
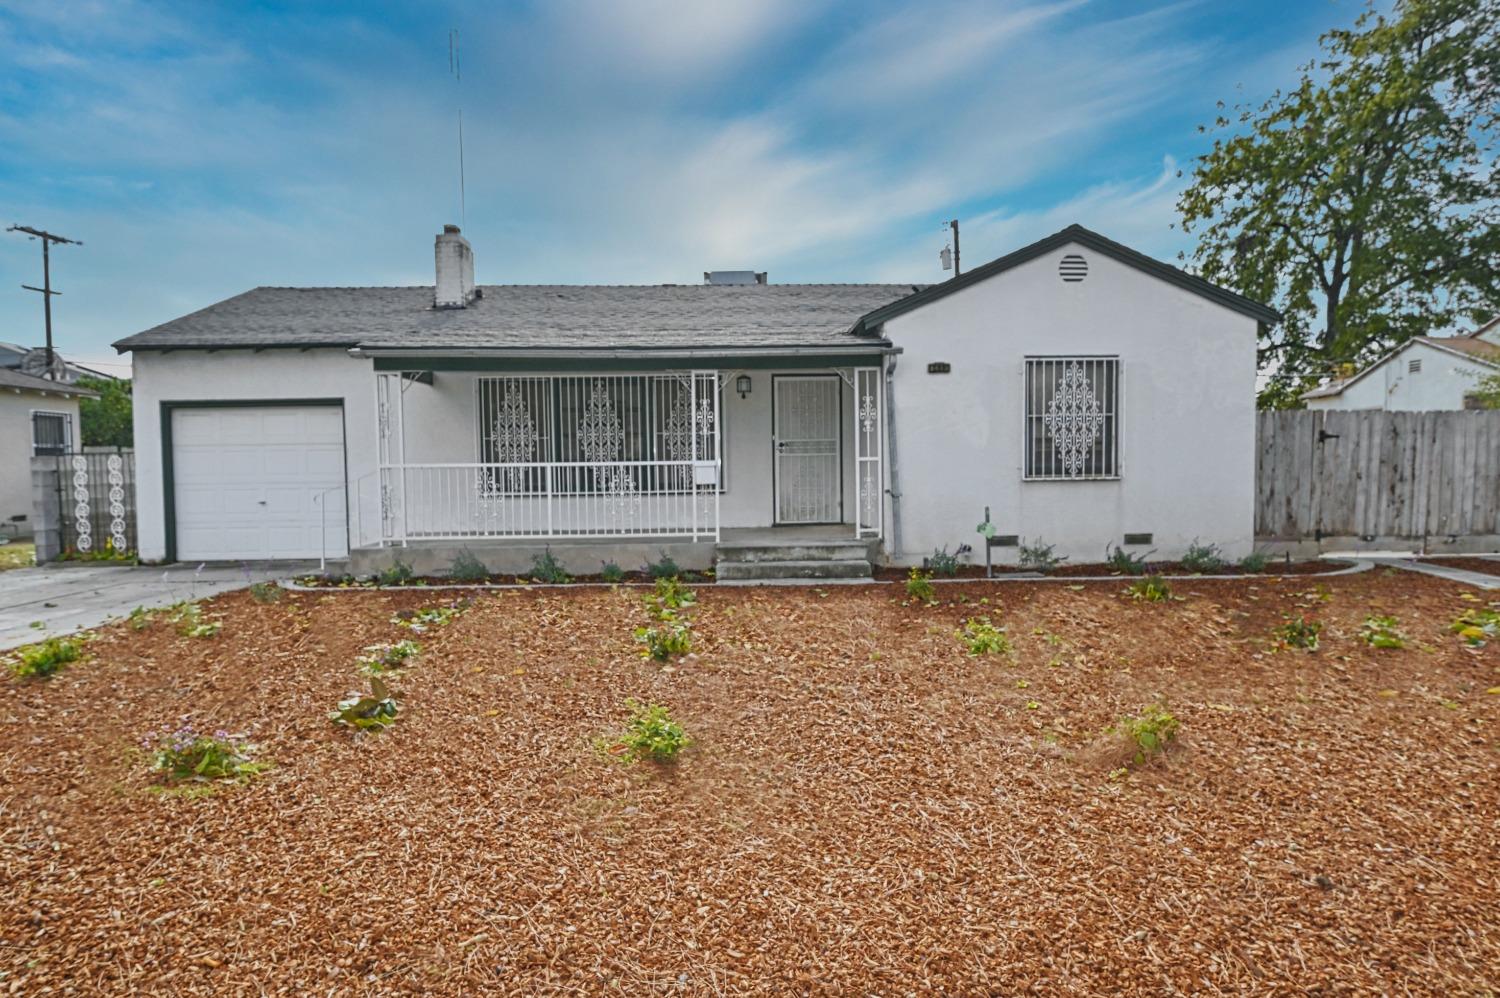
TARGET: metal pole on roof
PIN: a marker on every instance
(954, 225)
(45, 290)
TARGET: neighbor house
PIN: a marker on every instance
(1423, 374)
(38, 416)
(1084, 394)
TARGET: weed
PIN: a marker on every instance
(1122, 561)
(427, 618)
(611, 572)
(1255, 561)
(141, 618)
(650, 734)
(44, 659)
(671, 637)
(1477, 626)
(467, 568)
(981, 637)
(663, 568)
(945, 564)
(1298, 632)
(379, 659)
(186, 754)
(190, 623)
(919, 586)
(1152, 589)
(398, 574)
(546, 568)
(265, 592)
(1038, 556)
(670, 594)
(1203, 558)
(367, 711)
(1152, 731)
(1381, 632)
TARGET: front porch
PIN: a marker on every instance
(508, 460)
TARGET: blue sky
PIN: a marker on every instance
(199, 149)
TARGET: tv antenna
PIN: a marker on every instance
(456, 70)
(45, 290)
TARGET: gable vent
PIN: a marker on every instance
(1073, 268)
(1414, 366)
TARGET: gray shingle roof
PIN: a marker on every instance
(10, 378)
(530, 317)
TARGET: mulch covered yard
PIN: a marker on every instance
(865, 808)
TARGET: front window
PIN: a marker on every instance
(1072, 417)
(51, 433)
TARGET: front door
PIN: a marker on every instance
(809, 483)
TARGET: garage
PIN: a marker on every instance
(251, 482)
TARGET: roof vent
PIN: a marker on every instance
(717, 277)
(1073, 268)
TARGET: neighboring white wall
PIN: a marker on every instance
(240, 375)
(1441, 383)
(16, 407)
(1187, 448)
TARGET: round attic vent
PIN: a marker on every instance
(1073, 268)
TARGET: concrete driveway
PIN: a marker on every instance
(67, 598)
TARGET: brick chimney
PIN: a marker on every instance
(455, 270)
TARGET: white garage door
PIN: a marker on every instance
(250, 482)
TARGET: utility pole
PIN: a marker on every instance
(45, 290)
(954, 226)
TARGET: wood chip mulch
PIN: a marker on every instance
(865, 808)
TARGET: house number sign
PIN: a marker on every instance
(939, 367)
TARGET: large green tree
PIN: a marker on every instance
(1364, 203)
(107, 419)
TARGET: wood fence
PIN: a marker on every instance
(1372, 474)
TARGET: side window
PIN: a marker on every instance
(1072, 417)
(51, 433)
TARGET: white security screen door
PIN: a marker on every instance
(809, 482)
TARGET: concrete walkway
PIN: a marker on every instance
(68, 598)
(1479, 580)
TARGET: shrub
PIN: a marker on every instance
(186, 754)
(1381, 632)
(945, 564)
(663, 568)
(671, 594)
(546, 568)
(983, 638)
(190, 623)
(611, 572)
(45, 658)
(398, 574)
(262, 592)
(670, 637)
(1204, 558)
(1152, 731)
(919, 586)
(651, 734)
(380, 659)
(1477, 626)
(467, 568)
(1299, 632)
(1152, 589)
(1122, 561)
(367, 711)
(1039, 556)
(1255, 561)
(427, 618)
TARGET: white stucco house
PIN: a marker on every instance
(38, 416)
(1088, 395)
(1423, 374)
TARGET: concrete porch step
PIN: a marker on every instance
(784, 551)
(774, 570)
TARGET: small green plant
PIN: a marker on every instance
(380, 659)
(671, 594)
(467, 568)
(43, 659)
(650, 734)
(1039, 556)
(670, 637)
(1381, 632)
(1255, 561)
(1203, 558)
(398, 574)
(663, 568)
(1298, 632)
(264, 592)
(141, 618)
(945, 564)
(1152, 731)
(371, 711)
(981, 637)
(426, 618)
(1122, 561)
(1477, 627)
(612, 573)
(183, 753)
(191, 624)
(919, 586)
(546, 568)
(1152, 589)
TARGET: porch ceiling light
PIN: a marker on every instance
(742, 385)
